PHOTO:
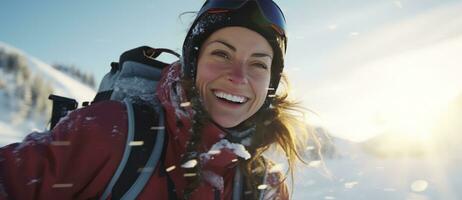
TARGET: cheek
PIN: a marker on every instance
(261, 89)
(203, 75)
(261, 83)
(206, 73)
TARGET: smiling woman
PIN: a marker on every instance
(218, 109)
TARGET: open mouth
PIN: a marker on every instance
(230, 98)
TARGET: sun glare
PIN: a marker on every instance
(402, 95)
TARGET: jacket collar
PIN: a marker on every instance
(179, 122)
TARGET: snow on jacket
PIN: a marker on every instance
(78, 158)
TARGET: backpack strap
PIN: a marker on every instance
(143, 149)
(238, 184)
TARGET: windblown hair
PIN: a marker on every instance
(281, 125)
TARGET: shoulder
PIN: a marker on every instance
(86, 146)
(104, 109)
(100, 112)
(98, 121)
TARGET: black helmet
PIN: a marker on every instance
(261, 16)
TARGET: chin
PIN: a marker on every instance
(226, 123)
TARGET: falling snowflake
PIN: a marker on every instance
(90, 118)
(185, 104)
(157, 128)
(332, 27)
(350, 185)
(33, 181)
(262, 187)
(190, 164)
(189, 174)
(115, 130)
(62, 185)
(314, 163)
(171, 168)
(389, 189)
(214, 152)
(353, 34)
(419, 185)
(136, 143)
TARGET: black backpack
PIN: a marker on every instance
(136, 68)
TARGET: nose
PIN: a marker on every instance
(237, 74)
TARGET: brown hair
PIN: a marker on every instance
(281, 125)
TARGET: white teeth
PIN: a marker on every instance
(230, 97)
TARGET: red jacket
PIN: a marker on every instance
(78, 158)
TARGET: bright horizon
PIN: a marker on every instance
(366, 68)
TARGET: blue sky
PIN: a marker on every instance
(91, 34)
(330, 44)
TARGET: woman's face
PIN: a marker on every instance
(233, 74)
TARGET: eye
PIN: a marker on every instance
(260, 65)
(221, 54)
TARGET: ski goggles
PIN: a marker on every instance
(270, 10)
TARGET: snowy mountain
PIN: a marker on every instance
(389, 167)
(25, 83)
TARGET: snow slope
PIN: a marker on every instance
(359, 176)
(62, 84)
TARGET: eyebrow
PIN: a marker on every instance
(259, 55)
